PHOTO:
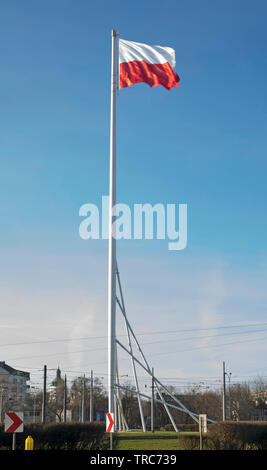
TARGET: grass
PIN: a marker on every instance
(148, 444)
(141, 434)
(159, 440)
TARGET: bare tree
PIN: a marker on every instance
(242, 403)
(55, 402)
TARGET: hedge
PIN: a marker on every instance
(59, 436)
(238, 435)
(191, 442)
(230, 435)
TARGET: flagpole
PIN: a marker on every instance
(112, 241)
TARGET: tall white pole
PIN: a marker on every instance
(112, 240)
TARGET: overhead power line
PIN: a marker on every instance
(211, 346)
(151, 333)
(154, 354)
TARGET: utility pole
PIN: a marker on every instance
(92, 397)
(229, 392)
(224, 395)
(65, 400)
(83, 400)
(44, 396)
(230, 408)
(152, 402)
(34, 408)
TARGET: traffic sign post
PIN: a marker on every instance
(203, 427)
(110, 427)
(14, 424)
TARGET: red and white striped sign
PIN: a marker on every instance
(14, 421)
(110, 422)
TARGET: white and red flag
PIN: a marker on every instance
(154, 65)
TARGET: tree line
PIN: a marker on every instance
(241, 401)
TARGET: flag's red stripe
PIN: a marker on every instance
(152, 74)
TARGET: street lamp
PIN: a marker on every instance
(228, 374)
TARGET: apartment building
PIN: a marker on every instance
(13, 388)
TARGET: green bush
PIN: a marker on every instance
(230, 435)
(238, 435)
(59, 436)
(189, 442)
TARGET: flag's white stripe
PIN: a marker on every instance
(129, 51)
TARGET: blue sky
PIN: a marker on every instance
(203, 144)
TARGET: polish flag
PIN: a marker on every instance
(154, 65)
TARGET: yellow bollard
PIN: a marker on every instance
(29, 443)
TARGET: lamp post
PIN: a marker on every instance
(228, 374)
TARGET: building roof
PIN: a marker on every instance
(12, 371)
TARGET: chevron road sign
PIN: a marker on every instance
(110, 422)
(14, 421)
